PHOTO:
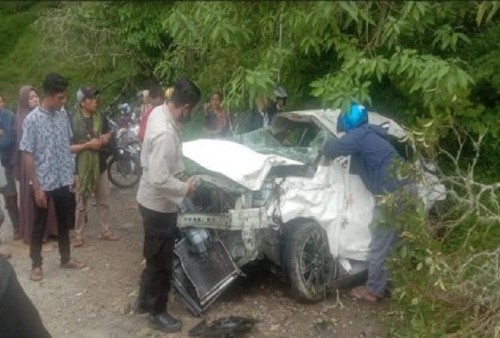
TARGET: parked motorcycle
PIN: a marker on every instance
(128, 125)
(123, 164)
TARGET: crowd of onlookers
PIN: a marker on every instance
(59, 162)
(41, 148)
(54, 161)
(88, 145)
(219, 123)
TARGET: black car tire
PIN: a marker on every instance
(134, 175)
(306, 257)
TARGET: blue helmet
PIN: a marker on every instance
(355, 117)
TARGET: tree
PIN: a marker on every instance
(432, 65)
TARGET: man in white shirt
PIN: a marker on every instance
(161, 191)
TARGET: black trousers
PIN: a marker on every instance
(64, 202)
(159, 240)
(18, 316)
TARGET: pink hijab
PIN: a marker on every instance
(23, 108)
(23, 105)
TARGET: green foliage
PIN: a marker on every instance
(445, 292)
(446, 261)
(139, 28)
(18, 45)
(13, 23)
(39, 48)
(431, 65)
(215, 43)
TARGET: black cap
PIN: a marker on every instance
(86, 93)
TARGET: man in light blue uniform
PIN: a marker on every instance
(46, 153)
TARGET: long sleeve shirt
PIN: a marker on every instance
(160, 188)
(8, 139)
(373, 157)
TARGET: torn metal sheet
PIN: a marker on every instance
(201, 278)
(273, 178)
(239, 163)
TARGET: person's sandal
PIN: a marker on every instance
(78, 242)
(362, 293)
(109, 236)
(73, 264)
(36, 274)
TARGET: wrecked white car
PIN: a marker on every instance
(269, 194)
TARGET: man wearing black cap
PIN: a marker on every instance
(91, 132)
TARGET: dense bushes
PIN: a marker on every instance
(432, 65)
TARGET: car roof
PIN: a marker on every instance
(327, 119)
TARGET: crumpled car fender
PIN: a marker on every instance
(336, 200)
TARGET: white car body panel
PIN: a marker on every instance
(337, 200)
(235, 161)
(322, 197)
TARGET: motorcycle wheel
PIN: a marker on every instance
(124, 172)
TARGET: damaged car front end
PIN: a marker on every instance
(271, 194)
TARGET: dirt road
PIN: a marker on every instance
(95, 302)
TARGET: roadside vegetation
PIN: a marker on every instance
(433, 66)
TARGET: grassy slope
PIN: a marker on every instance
(24, 62)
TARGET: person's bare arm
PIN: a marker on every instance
(94, 144)
(105, 138)
(40, 198)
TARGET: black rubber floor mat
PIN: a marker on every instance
(223, 327)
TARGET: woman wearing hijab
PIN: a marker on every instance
(28, 100)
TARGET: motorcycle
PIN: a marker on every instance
(128, 125)
(123, 164)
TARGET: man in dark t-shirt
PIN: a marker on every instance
(91, 133)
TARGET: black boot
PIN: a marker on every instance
(164, 322)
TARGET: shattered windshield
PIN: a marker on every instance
(296, 140)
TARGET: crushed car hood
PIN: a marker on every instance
(235, 161)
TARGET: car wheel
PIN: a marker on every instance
(305, 260)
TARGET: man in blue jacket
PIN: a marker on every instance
(374, 159)
(7, 143)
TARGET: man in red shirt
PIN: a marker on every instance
(157, 97)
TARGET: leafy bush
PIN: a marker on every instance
(432, 65)
(448, 270)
